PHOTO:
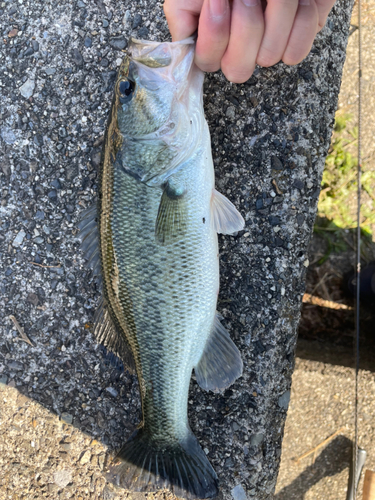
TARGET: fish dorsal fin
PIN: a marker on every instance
(106, 333)
(221, 363)
(224, 215)
(88, 234)
(171, 222)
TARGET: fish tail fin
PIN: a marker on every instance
(146, 465)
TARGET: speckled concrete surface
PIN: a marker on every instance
(270, 136)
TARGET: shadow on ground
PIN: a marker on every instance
(331, 461)
(326, 334)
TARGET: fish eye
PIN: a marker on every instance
(126, 89)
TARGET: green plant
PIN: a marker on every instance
(337, 205)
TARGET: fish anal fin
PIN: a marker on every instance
(225, 217)
(221, 363)
(106, 333)
(171, 221)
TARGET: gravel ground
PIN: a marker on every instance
(348, 98)
(64, 408)
(322, 402)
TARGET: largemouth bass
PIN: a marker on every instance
(157, 222)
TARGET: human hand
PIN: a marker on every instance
(234, 35)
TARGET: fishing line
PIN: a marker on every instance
(359, 175)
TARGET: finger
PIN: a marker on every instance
(182, 17)
(246, 32)
(303, 32)
(279, 18)
(324, 8)
(213, 34)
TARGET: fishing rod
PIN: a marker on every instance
(359, 455)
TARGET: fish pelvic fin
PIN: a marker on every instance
(147, 465)
(171, 222)
(221, 363)
(225, 217)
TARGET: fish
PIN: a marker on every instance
(152, 242)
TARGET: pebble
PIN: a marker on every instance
(67, 418)
(35, 45)
(85, 457)
(62, 477)
(298, 184)
(231, 112)
(118, 43)
(19, 238)
(38, 240)
(276, 163)
(32, 298)
(274, 220)
(127, 18)
(105, 23)
(50, 71)
(39, 214)
(13, 33)
(8, 135)
(28, 52)
(238, 493)
(143, 33)
(15, 365)
(112, 391)
(104, 62)
(95, 160)
(27, 89)
(300, 219)
(88, 42)
(137, 21)
(77, 57)
(256, 439)
(52, 194)
(283, 400)
(3, 382)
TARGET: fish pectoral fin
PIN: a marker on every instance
(88, 234)
(106, 333)
(171, 222)
(144, 464)
(225, 217)
(221, 363)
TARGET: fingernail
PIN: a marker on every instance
(304, 2)
(218, 7)
(250, 3)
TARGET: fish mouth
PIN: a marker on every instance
(160, 54)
